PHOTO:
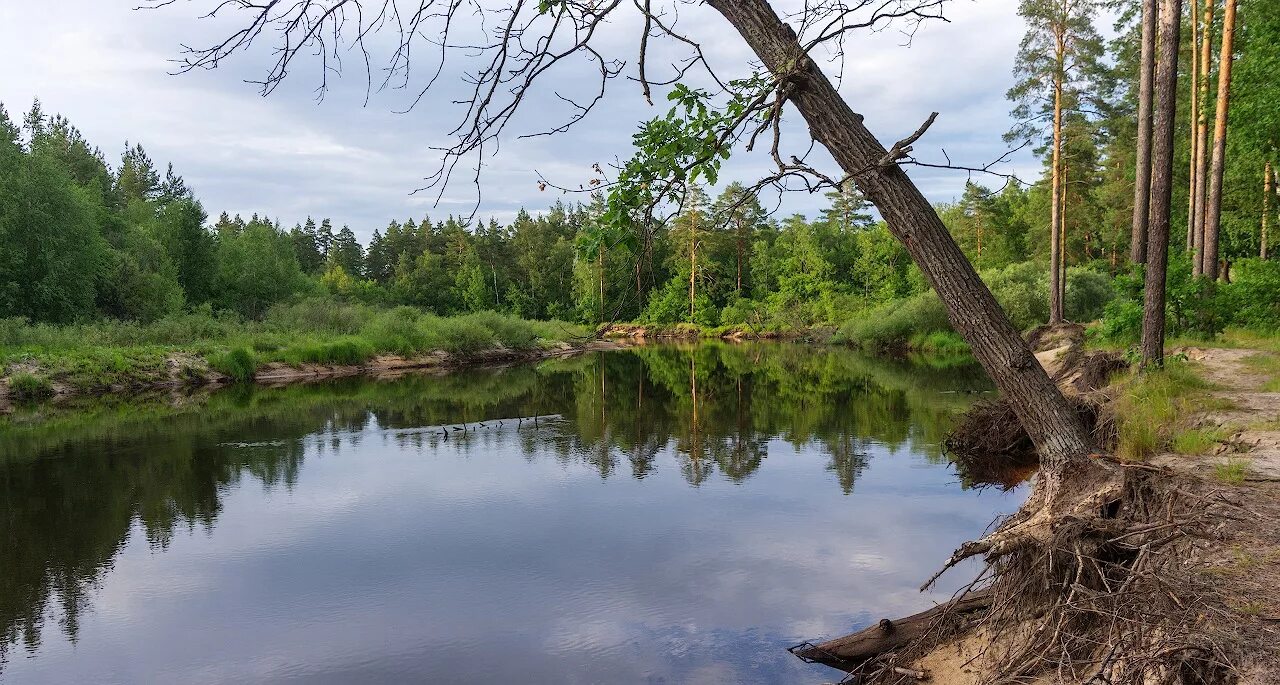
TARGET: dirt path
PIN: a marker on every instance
(1251, 423)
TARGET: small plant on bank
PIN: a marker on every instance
(28, 386)
(1196, 440)
(1231, 471)
(238, 363)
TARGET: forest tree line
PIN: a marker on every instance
(82, 239)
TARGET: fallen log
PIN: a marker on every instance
(850, 651)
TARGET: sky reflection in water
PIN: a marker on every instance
(676, 515)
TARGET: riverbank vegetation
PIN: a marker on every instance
(180, 348)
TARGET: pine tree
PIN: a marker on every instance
(347, 253)
(1057, 64)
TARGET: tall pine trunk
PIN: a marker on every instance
(693, 259)
(1048, 419)
(1055, 182)
(1213, 212)
(1062, 243)
(1193, 151)
(1166, 105)
(1202, 140)
(1142, 182)
(1267, 189)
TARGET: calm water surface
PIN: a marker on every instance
(659, 515)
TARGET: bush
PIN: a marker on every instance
(238, 363)
(318, 315)
(1022, 291)
(895, 323)
(740, 310)
(458, 335)
(1253, 297)
(400, 331)
(1088, 293)
(28, 386)
(512, 332)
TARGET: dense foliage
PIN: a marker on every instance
(82, 240)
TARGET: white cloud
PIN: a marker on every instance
(106, 66)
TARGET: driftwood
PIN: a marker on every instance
(850, 651)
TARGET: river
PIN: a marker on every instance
(664, 514)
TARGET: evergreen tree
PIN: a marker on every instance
(347, 253)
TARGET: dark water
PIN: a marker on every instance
(673, 515)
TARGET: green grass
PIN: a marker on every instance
(1196, 440)
(1150, 406)
(110, 354)
(28, 386)
(239, 364)
(1231, 471)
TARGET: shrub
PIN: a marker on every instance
(1022, 291)
(238, 363)
(895, 323)
(318, 315)
(1088, 293)
(512, 332)
(28, 386)
(458, 335)
(400, 331)
(1253, 298)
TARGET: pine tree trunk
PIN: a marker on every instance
(1267, 188)
(1193, 151)
(1142, 169)
(693, 259)
(1041, 408)
(1055, 184)
(1202, 139)
(1062, 244)
(739, 259)
(1213, 211)
(1166, 104)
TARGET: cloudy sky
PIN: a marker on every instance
(107, 67)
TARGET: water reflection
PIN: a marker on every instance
(424, 523)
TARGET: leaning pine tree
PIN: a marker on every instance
(1099, 512)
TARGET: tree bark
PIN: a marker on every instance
(1049, 420)
(1142, 182)
(888, 635)
(1055, 176)
(693, 259)
(1213, 211)
(1202, 139)
(1193, 17)
(1166, 103)
(1267, 189)
(1062, 244)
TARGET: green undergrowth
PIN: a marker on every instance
(1152, 409)
(109, 354)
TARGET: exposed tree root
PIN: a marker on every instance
(1097, 580)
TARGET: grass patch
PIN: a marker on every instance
(239, 364)
(348, 351)
(28, 386)
(1150, 406)
(1196, 440)
(1231, 471)
(107, 355)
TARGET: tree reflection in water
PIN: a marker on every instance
(75, 482)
